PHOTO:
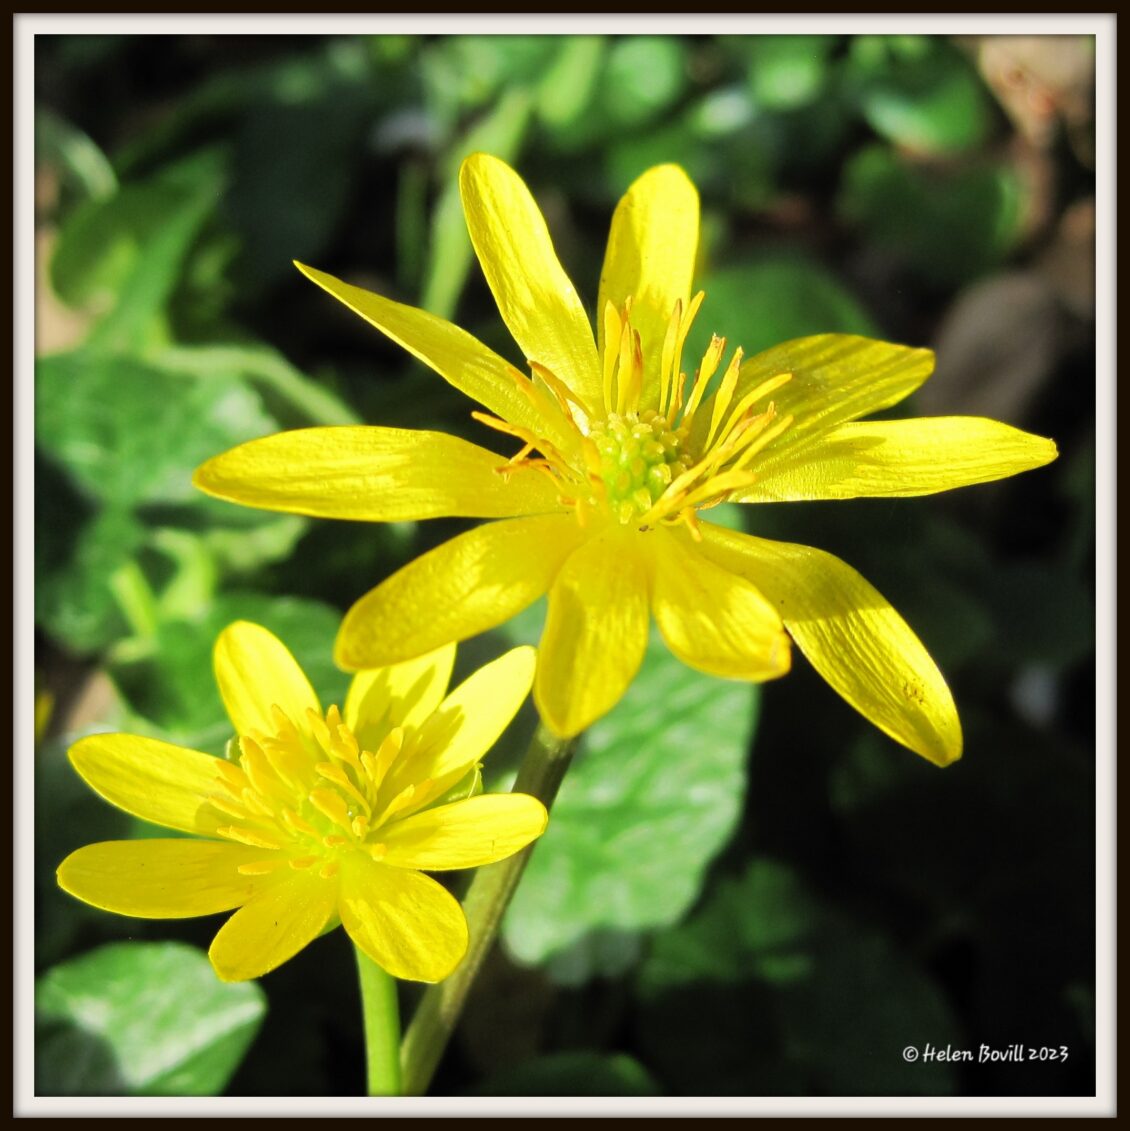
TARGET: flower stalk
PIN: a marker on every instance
(380, 1014)
(489, 895)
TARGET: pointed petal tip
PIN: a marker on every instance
(945, 752)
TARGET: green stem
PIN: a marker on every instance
(486, 902)
(382, 1027)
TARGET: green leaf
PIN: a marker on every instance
(172, 686)
(654, 793)
(644, 75)
(766, 990)
(148, 1019)
(121, 256)
(75, 601)
(919, 92)
(270, 372)
(947, 225)
(567, 87)
(242, 550)
(130, 432)
(467, 70)
(787, 71)
(572, 1074)
(80, 162)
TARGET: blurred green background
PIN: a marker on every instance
(743, 891)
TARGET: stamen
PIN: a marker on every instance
(227, 805)
(259, 867)
(751, 398)
(340, 778)
(706, 370)
(765, 438)
(330, 804)
(256, 805)
(667, 356)
(297, 824)
(677, 400)
(724, 395)
(612, 330)
(251, 837)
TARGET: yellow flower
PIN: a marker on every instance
(620, 453)
(322, 817)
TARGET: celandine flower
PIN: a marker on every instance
(620, 454)
(321, 816)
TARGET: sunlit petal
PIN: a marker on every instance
(835, 378)
(900, 458)
(154, 780)
(650, 258)
(852, 636)
(469, 721)
(284, 916)
(161, 879)
(469, 584)
(405, 922)
(402, 694)
(255, 671)
(454, 354)
(465, 834)
(535, 297)
(375, 475)
(712, 619)
(595, 633)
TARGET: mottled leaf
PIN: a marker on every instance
(653, 795)
(147, 1019)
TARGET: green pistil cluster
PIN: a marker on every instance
(640, 454)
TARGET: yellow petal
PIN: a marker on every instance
(459, 589)
(469, 721)
(535, 297)
(852, 637)
(465, 834)
(375, 475)
(712, 619)
(161, 879)
(650, 258)
(900, 458)
(255, 670)
(282, 918)
(406, 923)
(398, 695)
(835, 378)
(159, 782)
(595, 633)
(455, 355)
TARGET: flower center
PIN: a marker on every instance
(640, 454)
(663, 449)
(306, 797)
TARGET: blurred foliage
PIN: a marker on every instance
(742, 891)
(146, 1019)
